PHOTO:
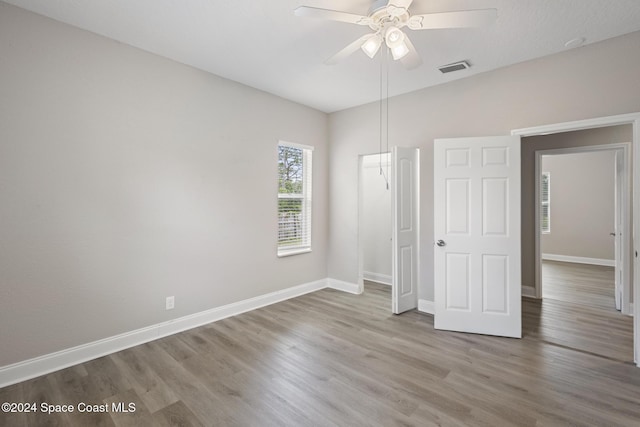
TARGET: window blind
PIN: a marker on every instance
(545, 202)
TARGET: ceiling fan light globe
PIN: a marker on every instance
(372, 45)
(393, 37)
(399, 51)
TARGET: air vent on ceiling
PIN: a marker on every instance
(456, 66)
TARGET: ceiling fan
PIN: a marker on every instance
(386, 18)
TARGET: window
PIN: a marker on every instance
(545, 202)
(294, 198)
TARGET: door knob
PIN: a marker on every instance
(440, 243)
(612, 234)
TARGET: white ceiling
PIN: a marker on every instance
(261, 43)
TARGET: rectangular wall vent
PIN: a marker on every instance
(456, 66)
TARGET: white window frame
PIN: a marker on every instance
(547, 203)
(305, 197)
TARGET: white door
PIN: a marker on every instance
(405, 211)
(617, 233)
(477, 235)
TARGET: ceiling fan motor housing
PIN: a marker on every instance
(382, 15)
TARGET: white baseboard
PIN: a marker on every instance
(42, 365)
(426, 306)
(385, 279)
(579, 260)
(529, 291)
(340, 285)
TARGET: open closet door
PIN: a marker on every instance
(405, 216)
(477, 280)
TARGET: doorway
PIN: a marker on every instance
(388, 223)
(584, 217)
(375, 218)
(632, 119)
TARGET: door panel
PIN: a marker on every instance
(457, 281)
(405, 167)
(457, 196)
(495, 204)
(495, 277)
(477, 229)
(406, 270)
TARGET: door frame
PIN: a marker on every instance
(622, 205)
(634, 120)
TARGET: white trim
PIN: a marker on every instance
(296, 145)
(376, 165)
(288, 252)
(385, 279)
(21, 371)
(634, 120)
(598, 122)
(426, 306)
(580, 260)
(352, 288)
(537, 271)
(376, 159)
(529, 292)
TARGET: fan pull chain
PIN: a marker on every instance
(384, 111)
(386, 63)
(380, 118)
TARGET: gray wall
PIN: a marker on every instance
(577, 84)
(582, 138)
(125, 178)
(582, 205)
(376, 217)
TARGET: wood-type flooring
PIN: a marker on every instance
(578, 310)
(334, 359)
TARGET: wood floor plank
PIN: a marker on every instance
(128, 410)
(176, 415)
(149, 386)
(13, 394)
(77, 388)
(333, 359)
(41, 391)
(591, 285)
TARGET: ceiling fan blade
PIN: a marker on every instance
(347, 50)
(412, 59)
(461, 19)
(333, 15)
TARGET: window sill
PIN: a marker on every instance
(288, 252)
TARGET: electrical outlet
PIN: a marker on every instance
(171, 302)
